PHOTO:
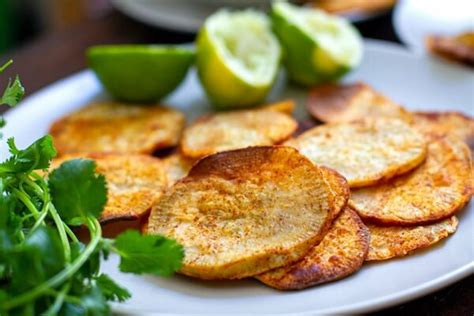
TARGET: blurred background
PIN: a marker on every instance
(25, 20)
(59, 31)
(22, 21)
(47, 38)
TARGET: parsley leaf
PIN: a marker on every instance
(36, 156)
(148, 254)
(77, 191)
(111, 290)
(13, 93)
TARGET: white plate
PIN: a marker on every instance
(416, 82)
(179, 15)
(415, 19)
(188, 15)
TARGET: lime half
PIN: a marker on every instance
(140, 73)
(238, 58)
(318, 47)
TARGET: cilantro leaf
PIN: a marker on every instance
(111, 290)
(148, 254)
(76, 189)
(13, 93)
(36, 156)
(93, 303)
(35, 260)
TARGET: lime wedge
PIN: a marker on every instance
(140, 73)
(318, 47)
(237, 58)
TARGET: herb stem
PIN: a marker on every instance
(42, 188)
(8, 63)
(96, 235)
(70, 233)
(38, 190)
(26, 200)
(62, 232)
(58, 302)
(39, 221)
(67, 298)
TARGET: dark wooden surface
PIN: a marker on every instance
(57, 55)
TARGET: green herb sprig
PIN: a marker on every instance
(44, 268)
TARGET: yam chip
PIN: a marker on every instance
(458, 48)
(364, 152)
(339, 188)
(394, 241)
(238, 129)
(435, 190)
(341, 253)
(285, 106)
(453, 123)
(243, 212)
(338, 103)
(353, 6)
(134, 183)
(118, 128)
(176, 167)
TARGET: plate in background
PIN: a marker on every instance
(417, 82)
(413, 20)
(188, 15)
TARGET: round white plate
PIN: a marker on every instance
(416, 82)
(188, 15)
(415, 19)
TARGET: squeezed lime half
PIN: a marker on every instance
(238, 58)
(318, 47)
(140, 73)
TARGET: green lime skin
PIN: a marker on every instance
(299, 55)
(224, 89)
(140, 73)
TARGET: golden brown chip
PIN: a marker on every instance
(243, 212)
(366, 151)
(352, 6)
(285, 106)
(176, 167)
(458, 48)
(334, 103)
(453, 123)
(134, 183)
(393, 241)
(341, 253)
(118, 128)
(433, 191)
(237, 129)
(339, 188)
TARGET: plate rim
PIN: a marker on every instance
(386, 301)
(140, 13)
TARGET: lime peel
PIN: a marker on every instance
(140, 73)
(237, 58)
(319, 47)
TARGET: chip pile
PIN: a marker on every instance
(252, 193)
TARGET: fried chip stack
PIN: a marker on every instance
(245, 199)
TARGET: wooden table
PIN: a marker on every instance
(58, 55)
